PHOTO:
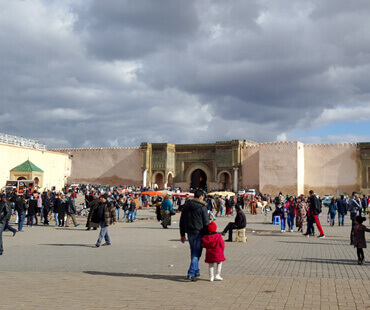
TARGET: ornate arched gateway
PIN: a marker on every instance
(193, 165)
(224, 179)
(198, 179)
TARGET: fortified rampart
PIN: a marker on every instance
(331, 168)
(290, 167)
(295, 168)
(113, 166)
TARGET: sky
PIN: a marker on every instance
(115, 73)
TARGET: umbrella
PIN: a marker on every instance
(183, 194)
(167, 192)
(223, 193)
(153, 193)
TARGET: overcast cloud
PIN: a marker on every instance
(84, 73)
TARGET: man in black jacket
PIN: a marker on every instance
(4, 218)
(21, 208)
(240, 222)
(46, 203)
(342, 210)
(194, 221)
(314, 205)
(71, 212)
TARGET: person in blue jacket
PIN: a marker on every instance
(166, 207)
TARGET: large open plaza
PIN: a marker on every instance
(236, 129)
(145, 268)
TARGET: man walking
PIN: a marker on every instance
(315, 208)
(21, 208)
(71, 212)
(194, 221)
(4, 218)
(105, 215)
(342, 210)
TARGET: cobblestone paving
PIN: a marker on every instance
(145, 267)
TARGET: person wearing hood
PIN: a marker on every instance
(194, 221)
(215, 246)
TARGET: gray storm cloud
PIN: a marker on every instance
(116, 73)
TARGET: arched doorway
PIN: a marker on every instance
(170, 180)
(36, 181)
(225, 181)
(159, 180)
(198, 179)
(21, 178)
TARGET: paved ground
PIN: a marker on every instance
(145, 267)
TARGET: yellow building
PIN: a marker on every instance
(20, 160)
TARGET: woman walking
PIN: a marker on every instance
(332, 211)
(291, 213)
(301, 213)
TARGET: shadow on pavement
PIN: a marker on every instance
(144, 227)
(71, 244)
(328, 261)
(320, 243)
(168, 277)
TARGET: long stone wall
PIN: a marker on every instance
(291, 167)
(331, 168)
(250, 167)
(113, 166)
(277, 165)
(56, 166)
(294, 168)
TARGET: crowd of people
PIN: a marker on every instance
(104, 206)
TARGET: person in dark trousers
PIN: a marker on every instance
(63, 205)
(93, 204)
(7, 226)
(71, 212)
(105, 215)
(21, 208)
(342, 210)
(158, 203)
(354, 207)
(46, 202)
(194, 221)
(32, 210)
(4, 218)
(240, 222)
(359, 240)
(310, 220)
(131, 210)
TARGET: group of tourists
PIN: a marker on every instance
(197, 219)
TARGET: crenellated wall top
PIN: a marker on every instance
(306, 145)
(94, 149)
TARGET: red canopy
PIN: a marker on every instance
(153, 193)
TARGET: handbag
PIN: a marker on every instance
(172, 212)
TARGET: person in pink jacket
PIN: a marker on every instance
(215, 246)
